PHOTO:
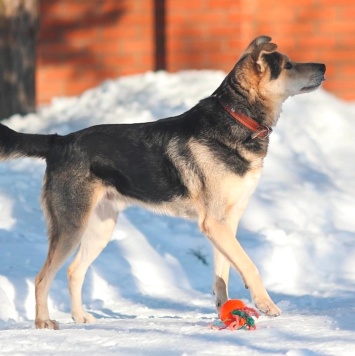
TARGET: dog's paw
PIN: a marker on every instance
(219, 302)
(46, 324)
(267, 307)
(83, 318)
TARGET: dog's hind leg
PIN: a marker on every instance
(97, 235)
(221, 277)
(62, 243)
(67, 204)
(60, 248)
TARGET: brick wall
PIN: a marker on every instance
(84, 42)
(204, 34)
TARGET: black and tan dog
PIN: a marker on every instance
(203, 164)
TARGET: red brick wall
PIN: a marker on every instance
(84, 42)
(204, 34)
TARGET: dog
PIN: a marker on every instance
(203, 164)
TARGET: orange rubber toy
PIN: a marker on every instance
(236, 315)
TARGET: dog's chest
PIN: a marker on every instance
(238, 190)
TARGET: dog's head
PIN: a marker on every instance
(271, 75)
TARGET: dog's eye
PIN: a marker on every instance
(288, 65)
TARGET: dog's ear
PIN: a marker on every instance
(258, 54)
(258, 41)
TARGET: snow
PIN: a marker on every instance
(150, 289)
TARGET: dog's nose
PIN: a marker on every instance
(322, 67)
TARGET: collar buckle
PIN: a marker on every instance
(263, 132)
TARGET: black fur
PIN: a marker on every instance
(274, 61)
(13, 143)
(133, 158)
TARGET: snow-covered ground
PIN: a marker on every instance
(149, 290)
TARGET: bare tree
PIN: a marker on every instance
(19, 24)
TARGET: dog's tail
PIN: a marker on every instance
(15, 144)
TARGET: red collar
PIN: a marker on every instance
(259, 130)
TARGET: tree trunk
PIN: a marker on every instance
(19, 24)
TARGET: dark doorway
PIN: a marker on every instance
(160, 34)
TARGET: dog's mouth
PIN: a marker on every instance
(313, 86)
(310, 88)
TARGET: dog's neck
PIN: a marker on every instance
(258, 130)
(247, 102)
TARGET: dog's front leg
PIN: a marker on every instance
(221, 277)
(220, 233)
